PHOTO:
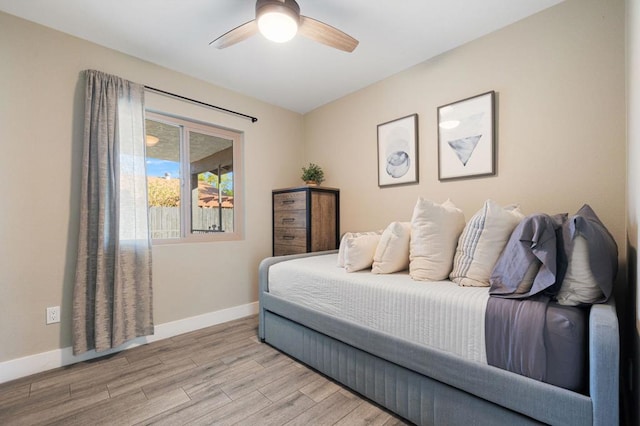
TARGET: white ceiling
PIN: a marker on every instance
(299, 75)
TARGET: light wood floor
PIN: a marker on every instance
(220, 375)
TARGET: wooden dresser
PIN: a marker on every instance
(305, 219)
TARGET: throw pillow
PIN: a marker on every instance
(360, 251)
(392, 253)
(527, 265)
(481, 243)
(343, 243)
(592, 260)
(435, 229)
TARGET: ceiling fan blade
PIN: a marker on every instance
(236, 35)
(326, 34)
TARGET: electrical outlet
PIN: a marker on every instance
(53, 315)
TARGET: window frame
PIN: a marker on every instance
(237, 137)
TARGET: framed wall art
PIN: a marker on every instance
(466, 138)
(398, 151)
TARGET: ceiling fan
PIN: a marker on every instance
(280, 20)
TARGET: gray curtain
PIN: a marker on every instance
(112, 297)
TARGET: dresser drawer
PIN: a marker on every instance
(289, 201)
(290, 219)
(291, 236)
(283, 250)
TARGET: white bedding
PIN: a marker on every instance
(439, 314)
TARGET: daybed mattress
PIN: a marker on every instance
(439, 314)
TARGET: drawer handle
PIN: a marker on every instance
(288, 219)
(288, 237)
(288, 201)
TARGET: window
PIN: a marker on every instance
(193, 179)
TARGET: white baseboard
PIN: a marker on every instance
(25, 366)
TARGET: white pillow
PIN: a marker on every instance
(435, 229)
(481, 243)
(343, 243)
(359, 252)
(392, 253)
(579, 286)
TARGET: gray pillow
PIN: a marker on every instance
(527, 265)
(602, 259)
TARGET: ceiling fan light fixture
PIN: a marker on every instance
(152, 140)
(278, 19)
(278, 27)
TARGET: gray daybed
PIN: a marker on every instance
(430, 386)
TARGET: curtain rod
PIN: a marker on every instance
(184, 98)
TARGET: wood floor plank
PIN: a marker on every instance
(147, 409)
(60, 390)
(86, 388)
(320, 389)
(102, 410)
(248, 352)
(82, 372)
(146, 376)
(102, 376)
(226, 329)
(282, 411)
(271, 357)
(244, 331)
(12, 395)
(43, 400)
(211, 374)
(202, 386)
(220, 375)
(219, 350)
(329, 411)
(198, 374)
(16, 383)
(234, 412)
(44, 415)
(176, 353)
(56, 373)
(186, 339)
(241, 386)
(228, 334)
(278, 389)
(365, 414)
(144, 352)
(190, 410)
(395, 421)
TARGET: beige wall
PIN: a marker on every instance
(559, 78)
(41, 103)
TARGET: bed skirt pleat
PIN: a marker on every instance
(419, 399)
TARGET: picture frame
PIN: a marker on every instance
(466, 138)
(398, 151)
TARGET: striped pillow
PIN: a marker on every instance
(481, 242)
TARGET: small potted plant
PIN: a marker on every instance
(312, 174)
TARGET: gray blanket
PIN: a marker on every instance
(514, 332)
(538, 339)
